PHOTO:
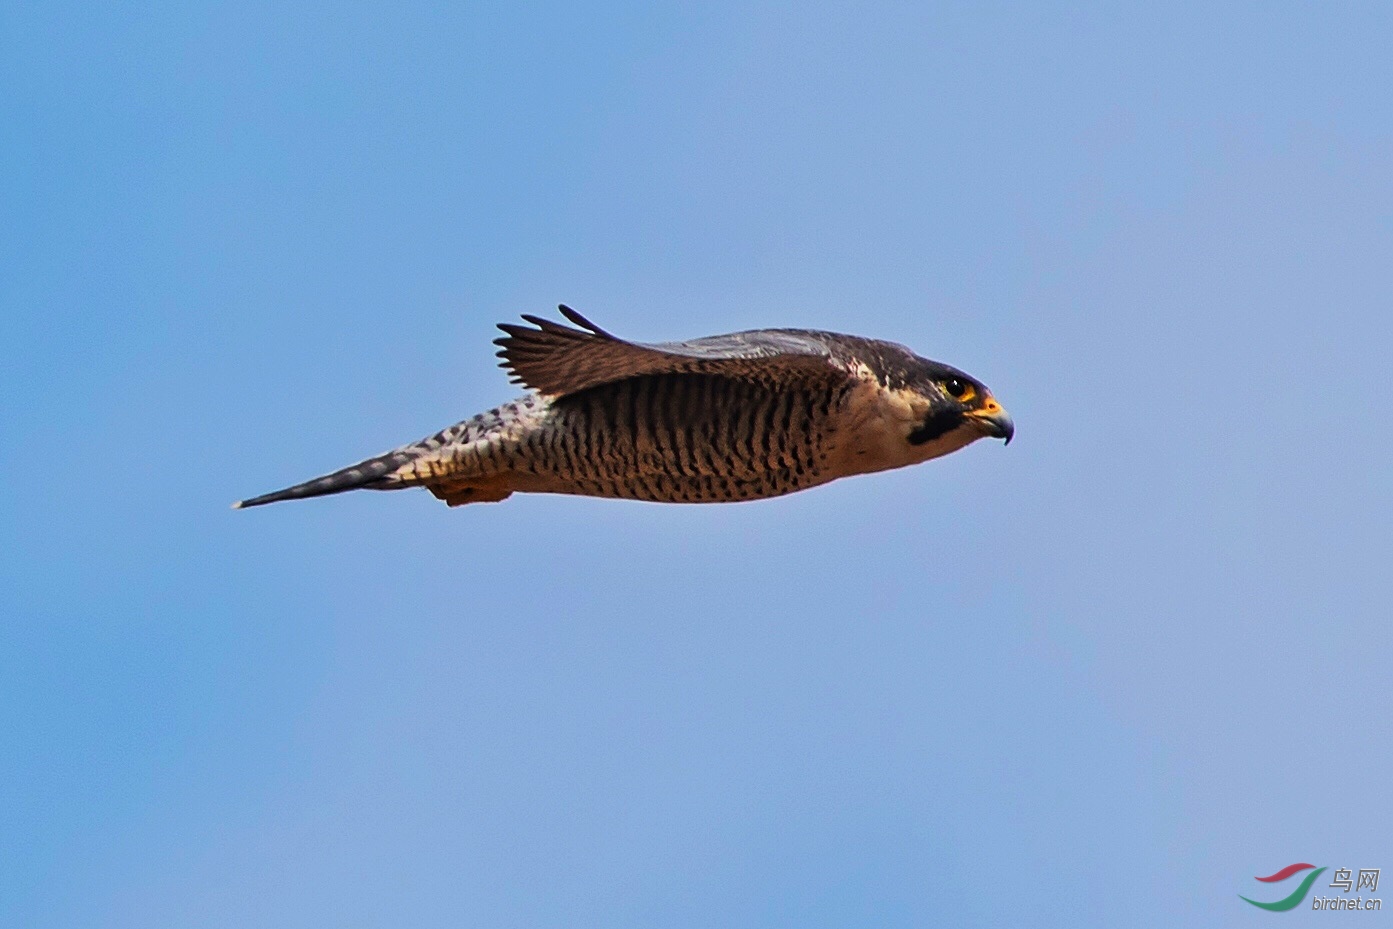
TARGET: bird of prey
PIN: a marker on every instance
(725, 418)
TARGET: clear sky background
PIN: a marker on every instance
(1102, 677)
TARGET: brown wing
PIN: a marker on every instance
(558, 360)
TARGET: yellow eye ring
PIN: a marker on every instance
(959, 389)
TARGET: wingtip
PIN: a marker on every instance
(582, 322)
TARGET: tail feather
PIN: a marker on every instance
(372, 474)
(432, 466)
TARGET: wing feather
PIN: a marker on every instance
(555, 359)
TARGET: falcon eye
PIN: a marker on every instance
(958, 389)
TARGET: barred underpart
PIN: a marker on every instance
(668, 439)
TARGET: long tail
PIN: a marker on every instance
(431, 462)
(372, 474)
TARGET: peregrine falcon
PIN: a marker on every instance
(725, 418)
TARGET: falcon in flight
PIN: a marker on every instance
(726, 418)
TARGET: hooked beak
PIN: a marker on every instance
(995, 421)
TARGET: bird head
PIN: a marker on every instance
(955, 408)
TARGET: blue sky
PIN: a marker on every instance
(1110, 673)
